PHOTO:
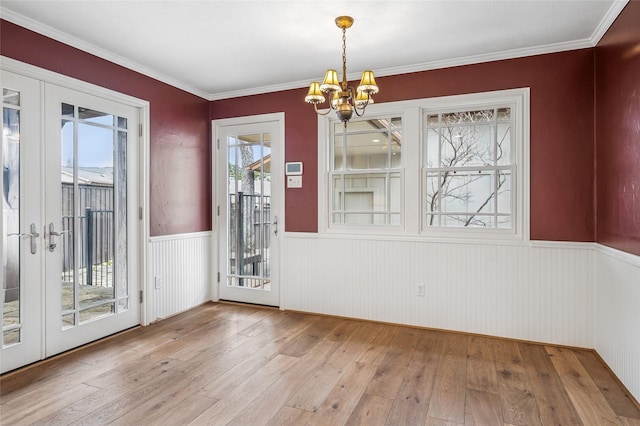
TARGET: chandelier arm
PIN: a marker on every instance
(315, 106)
(364, 105)
(359, 114)
(357, 108)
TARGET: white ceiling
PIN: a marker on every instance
(221, 49)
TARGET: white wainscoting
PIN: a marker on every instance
(617, 314)
(182, 263)
(540, 292)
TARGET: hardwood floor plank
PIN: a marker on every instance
(371, 410)
(616, 396)
(343, 398)
(182, 412)
(591, 405)
(482, 408)
(345, 330)
(41, 381)
(112, 384)
(237, 400)
(378, 347)
(269, 319)
(519, 406)
(554, 404)
(412, 400)
(267, 404)
(264, 352)
(214, 331)
(209, 365)
(17, 414)
(432, 421)
(325, 377)
(176, 396)
(126, 402)
(481, 365)
(450, 383)
(391, 370)
(289, 416)
(310, 336)
(627, 421)
(232, 333)
(132, 373)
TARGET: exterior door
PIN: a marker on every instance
(91, 201)
(249, 206)
(22, 250)
(70, 232)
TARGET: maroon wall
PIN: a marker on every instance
(562, 133)
(180, 184)
(301, 139)
(618, 132)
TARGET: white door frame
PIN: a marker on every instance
(277, 172)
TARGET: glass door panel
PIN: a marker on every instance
(249, 213)
(11, 318)
(88, 147)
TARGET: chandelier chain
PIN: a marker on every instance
(344, 58)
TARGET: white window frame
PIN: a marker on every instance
(325, 126)
(412, 199)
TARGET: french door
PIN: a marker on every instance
(69, 229)
(249, 178)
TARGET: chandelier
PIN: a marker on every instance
(343, 100)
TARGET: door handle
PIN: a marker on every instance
(33, 234)
(275, 225)
(53, 233)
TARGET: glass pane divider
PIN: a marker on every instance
(11, 327)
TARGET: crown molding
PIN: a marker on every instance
(424, 66)
(259, 90)
(65, 38)
(607, 21)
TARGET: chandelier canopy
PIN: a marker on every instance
(343, 99)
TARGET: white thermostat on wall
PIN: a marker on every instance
(293, 169)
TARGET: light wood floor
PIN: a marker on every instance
(228, 364)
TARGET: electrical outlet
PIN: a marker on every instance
(420, 290)
(158, 283)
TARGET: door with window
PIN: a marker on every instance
(69, 226)
(248, 206)
(21, 222)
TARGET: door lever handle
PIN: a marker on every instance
(275, 225)
(33, 234)
(53, 233)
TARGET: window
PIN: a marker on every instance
(468, 168)
(448, 167)
(365, 172)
